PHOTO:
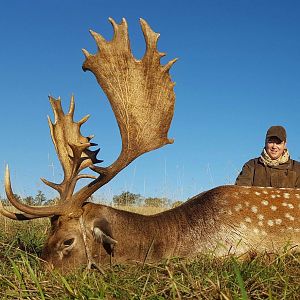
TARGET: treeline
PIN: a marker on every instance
(131, 199)
(38, 200)
(124, 199)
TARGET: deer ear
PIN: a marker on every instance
(103, 234)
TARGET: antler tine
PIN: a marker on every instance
(141, 95)
(34, 212)
(31, 210)
(86, 53)
(72, 107)
(16, 216)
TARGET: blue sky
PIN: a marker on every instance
(238, 73)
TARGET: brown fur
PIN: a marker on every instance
(228, 219)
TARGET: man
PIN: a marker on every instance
(274, 167)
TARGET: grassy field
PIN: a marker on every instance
(207, 277)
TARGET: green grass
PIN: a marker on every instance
(206, 277)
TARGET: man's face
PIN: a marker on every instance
(275, 147)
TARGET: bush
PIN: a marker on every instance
(156, 202)
(126, 198)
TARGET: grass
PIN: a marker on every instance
(206, 277)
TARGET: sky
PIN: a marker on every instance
(237, 74)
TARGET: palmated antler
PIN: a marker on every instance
(140, 92)
(142, 97)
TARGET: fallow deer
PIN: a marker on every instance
(226, 219)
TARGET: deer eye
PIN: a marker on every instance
(68, 242)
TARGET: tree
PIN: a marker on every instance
(29, 200)
(156, 202)
(126, 198)
(40, 198)
(52, 201)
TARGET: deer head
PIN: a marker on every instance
(141, 94)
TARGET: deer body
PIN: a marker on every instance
(224, 220)
(228, 219)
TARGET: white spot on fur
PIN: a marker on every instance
(270, 222)
(286, 195)
(265, 202)
(254, 209)
(255, 230)
(265, 192)
(238, 207)
(273, 196)
(274, 207)
(260, 223)
(297, 229)
(297, 196)
(278, 221)
(291, 218)
(278, 196)
(247, 203)
(260, 217)
(257, 193)
(248, 220)
(284, 204)
(211, 222)
(243, 225)
(222, 211)
(290, 205)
